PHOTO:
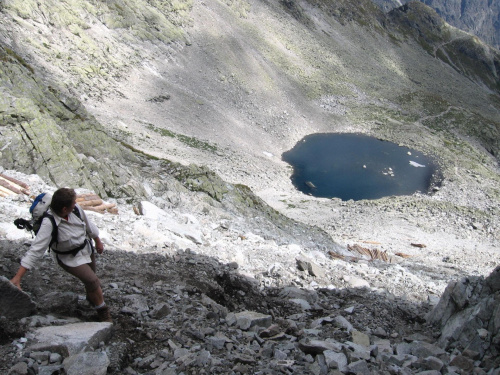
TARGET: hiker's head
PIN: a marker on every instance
(63, 201)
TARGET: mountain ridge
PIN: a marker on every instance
(477, 17)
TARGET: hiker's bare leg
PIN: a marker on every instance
(92, 284)
(96, 297)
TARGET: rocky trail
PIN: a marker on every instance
(192, 296)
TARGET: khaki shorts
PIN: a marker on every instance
(85, 273)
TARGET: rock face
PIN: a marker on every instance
(468, 316)
(63, 142)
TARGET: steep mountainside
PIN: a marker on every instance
(478, 17)
(185, 107)
(232, 85)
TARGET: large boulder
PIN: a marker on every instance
(14, 303)
(468, 315)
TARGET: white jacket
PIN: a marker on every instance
(71, 234)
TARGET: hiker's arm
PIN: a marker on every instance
(41, 243)
(16, 280)
(98, 245)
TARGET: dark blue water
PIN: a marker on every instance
(355, 166)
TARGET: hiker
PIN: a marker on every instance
(72, 249)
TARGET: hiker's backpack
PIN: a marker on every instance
(38, 211)
(39, 206)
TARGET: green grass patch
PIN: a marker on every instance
(188, 141)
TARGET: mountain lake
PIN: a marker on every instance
(357, 166)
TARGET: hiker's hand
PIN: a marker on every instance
(16, 281)
(98, 245)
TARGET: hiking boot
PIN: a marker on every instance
(104, 315)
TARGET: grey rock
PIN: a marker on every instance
(323, 367)
(283, 365)
(357, 351)
(493, 280)
(136, 303)
(471, 354)
(40, 356)
(349, 310)
(247, 319)
(147, 361)
(50, 370)
(423, 349)
(189, 230)
(294, 292)
(383, 345)
(359, 368)
(271, 331)
(432, 363)
(87, 363)
(160, 311)
(220, 310)
(356, 282)
(419, 349)
(20, 368)
(380, 332)
(217, 342)
(463, 363)
(317, 346)
(243, 358)
(344, 323)
(335, 360)
(180, 352)
(14, 303)
(306, 264)
(203, 358)
(279, 355)
(360, 338)
(396, 359)
(72, 338)
(321, 321)
(302, 303)
(55, 358)
(467, 308)
(58, 301)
